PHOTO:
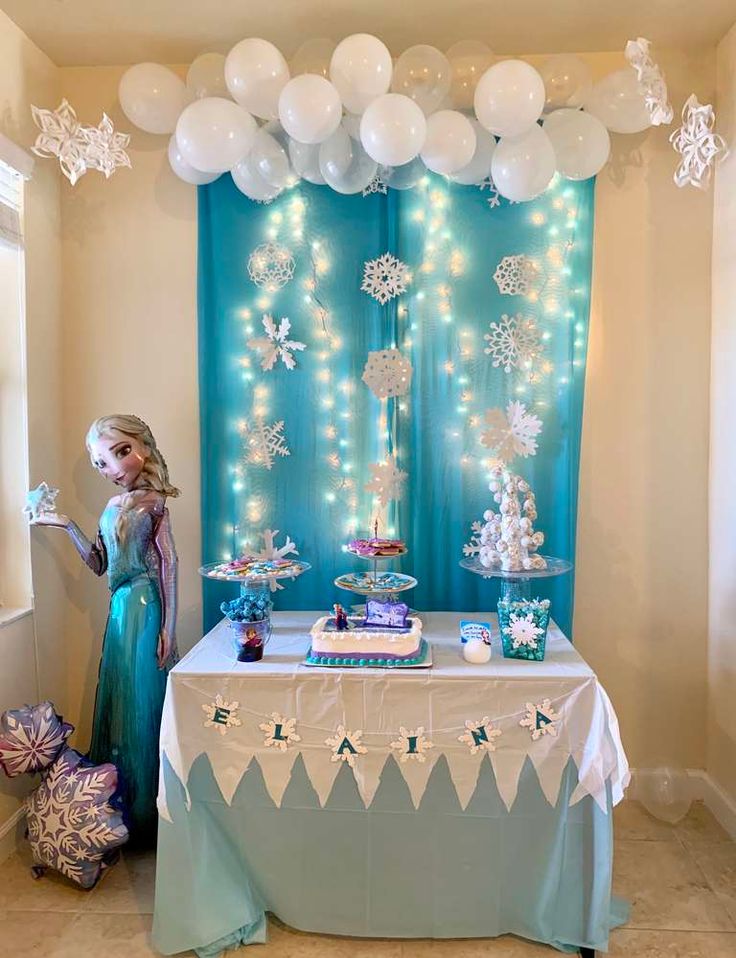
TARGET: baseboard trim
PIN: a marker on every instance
(703, 788)
(9, 833)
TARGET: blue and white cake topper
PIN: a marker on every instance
(390, 615)
(475, 630)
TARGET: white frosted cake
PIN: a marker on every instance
(365, 641)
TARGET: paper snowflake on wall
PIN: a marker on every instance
(473, 547)
(106, 148)
(523, 631)
(513, 342)
(376, 185)
(387, 373)
(385, 277)
(511, 433)
(276, 344)
(540, 719)
(412, 744)
(651, 81)
(699, 146)
(346, 745)
(515, 275)
(280, 732)
(271, 551)
(264, 442)
(221, 715)
(387, 480)
(494, 199)
(271, 266)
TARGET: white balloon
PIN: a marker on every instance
(250, 182)
(213, 134)
(580, 141)
(424, 74)
(344, 164)
(404, 177)
(361, 69)
(618, 102)
(309, 108)
(477, 651)
(393, 129)
(351, 122)
(305, 160)
(183, 169)
(664, 792)
(469, 60)
(509, 98)
(523, 166)
(479, 166)
(152, 97)
(206, 76)
(567, 81)
(336, 154)
(313, 56)
(256, 73)
(450, 142)
(270, 160)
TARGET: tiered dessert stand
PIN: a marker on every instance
(373, 584)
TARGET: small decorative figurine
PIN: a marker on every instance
(341, 617)
(477, 651)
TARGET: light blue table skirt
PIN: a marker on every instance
(388, 871)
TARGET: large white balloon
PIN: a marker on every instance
(213, 134)
(580, 141)
(305, 160)
(270, 160)
(256, 73)
(309, 108)
(250, 182)
(404, 177)
(479, 166)
(344, 164)
(393, 129)
(509, 98)
(450, 142)
(664, 792)
(152, 97)
(424, 74)
(206, 76)
(469, 60)
(183, 169)
(361, 69)
(523, 166)
(313, 56)
(618, 102)
(567, 81)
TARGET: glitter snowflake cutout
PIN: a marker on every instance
(265, 441)
(511, 433)
(523, 631)
(221, 715)
(271, 266)
(412, 744)
(280, 732)
(272, 552)
(479, 736)
(346, 745)
(387, 482)
(494, 199)
(513, 342)
(376, 185)
(387, 373)
(651, 81)
(385, 277)
(515, 275)
(540, 719)
(276, 344)
(699, 146)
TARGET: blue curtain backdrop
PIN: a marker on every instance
(452, 239)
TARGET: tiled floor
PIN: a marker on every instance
(680, 880)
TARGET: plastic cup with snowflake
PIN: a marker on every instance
(523, 625)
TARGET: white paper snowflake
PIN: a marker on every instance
(651, 81)
(387, 373)
(388, 480)
(480, 736)
(105, 149)
(40, 502)
(376, 185)
(511, 433)
(265, 441)
(280, 732)
(276, 344)
(63, 136)
(473, 547)
(221, 715)
(494, 199)
(699, 146)
(385, 277)
(346, 745)
(412, 744)
(523, 631)
(513, 342)
(515, 275)
(540, 719)
(271, 266)
(271, 551)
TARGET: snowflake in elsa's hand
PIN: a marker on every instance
(263, 442)
(63, 136)
(106, 148)
(387, 481)
(387, 373)
(479, 736)
(515, 275)
(494, 199)
(40, 501)
(276, 344)
(385, 277)
(271, 551)
(698, 144)
(523, 630)
(271, 266)
(221, 715)
(412, 744)
(346, 745)
(376, 185)
(472, 548)
(511, 433)
(540, 719)
(280, 732)
(513, 342)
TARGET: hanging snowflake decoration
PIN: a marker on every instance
(376, 185)
(387, 373)
(412, 744)
(30, 738)
(651, 81)
(105, 148)
(523, 631)
(515, 275)
(280, 732)
(513, 342)
(385, 277)
(276, 344)
(480, 736)
(494, 199)
(511, 433)
(699, 146)
(540, 719)
(473, 547)
(387, 482)
(271, 266)
(272, 552)
(221, 715)
(346, 745)
(264, 442)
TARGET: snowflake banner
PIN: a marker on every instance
(515, 275)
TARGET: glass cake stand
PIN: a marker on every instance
(253, 583)
(516, 586)
(373, 584)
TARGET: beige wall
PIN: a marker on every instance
(722, 606)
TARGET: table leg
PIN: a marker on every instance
(587, 953)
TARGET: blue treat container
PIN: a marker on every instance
(523, 624)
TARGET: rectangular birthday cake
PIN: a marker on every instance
(387, 635)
